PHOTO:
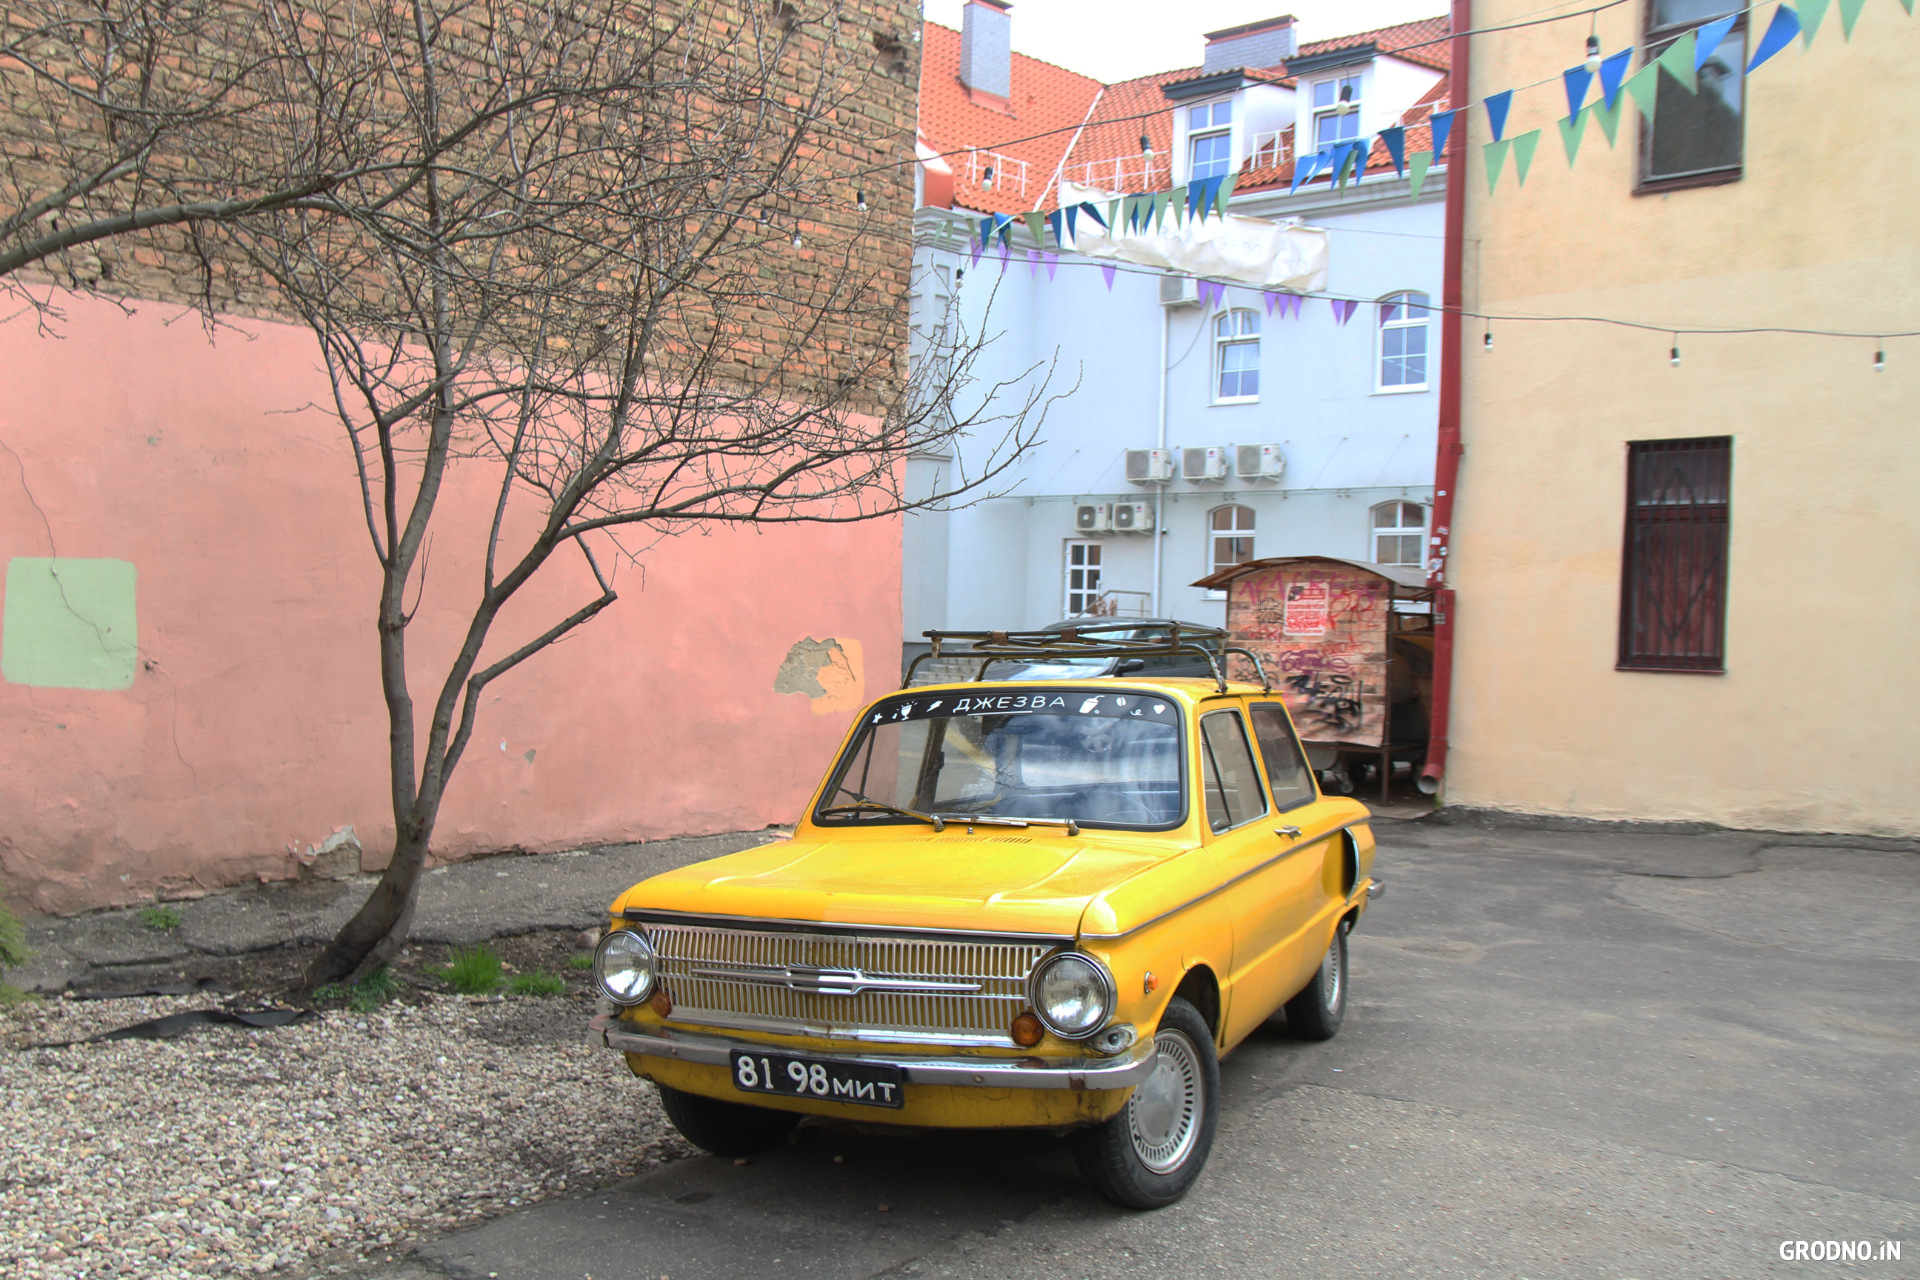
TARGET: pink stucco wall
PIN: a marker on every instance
(254, 723)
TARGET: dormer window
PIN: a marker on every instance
(1336, 110)
(1209, 140)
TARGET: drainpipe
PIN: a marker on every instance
(1446, 463)
(1159, 490)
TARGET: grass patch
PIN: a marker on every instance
(161, 919)
(536, 984)
(13, 941)
(581, 960)
(363, 996)
(474, 970)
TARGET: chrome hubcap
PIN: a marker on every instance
(1163, 1117)
(1334, 974)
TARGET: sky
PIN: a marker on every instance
(1119, 39)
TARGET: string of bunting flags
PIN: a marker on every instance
(1343, 162)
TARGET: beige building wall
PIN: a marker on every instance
(1815, 725)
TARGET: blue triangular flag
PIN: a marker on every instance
(1577, 80)
(1396, 139)
(1087, 208)
(1304, 167)
(1442, 123)
(1709, 40)
(1053, 220)
(1780, 33)
(1497, 104)
(986, 230)
(1193, 196)
(1073, 217)
(1612, 72)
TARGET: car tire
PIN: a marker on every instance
(1316, 1013)
(1148, 1155)
(725, 1128)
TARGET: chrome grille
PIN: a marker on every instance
(846, 986)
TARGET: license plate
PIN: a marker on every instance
(866, 1083)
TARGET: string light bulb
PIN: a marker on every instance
(1146, 145)
(1593, 54)
(1345, 105)
(860, 201)
(1673, 352)
(1486, 339)
(796, 237)
(1880, 358)
(986, 179)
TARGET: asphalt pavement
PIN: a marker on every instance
(1591, 1053)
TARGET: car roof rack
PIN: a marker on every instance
(1093, 640)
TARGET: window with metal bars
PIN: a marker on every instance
(1673, 582)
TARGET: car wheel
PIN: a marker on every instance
(725, 1128)
(1315, 1013)
(1152, 1151)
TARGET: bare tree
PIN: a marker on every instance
(626, 262)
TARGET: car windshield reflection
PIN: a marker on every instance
(1065, 755)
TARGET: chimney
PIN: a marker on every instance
(986, 47)
(1257, 44)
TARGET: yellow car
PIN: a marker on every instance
(1041, 905)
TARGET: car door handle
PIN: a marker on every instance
(1292, 833)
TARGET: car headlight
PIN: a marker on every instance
(1073, 994)
(623, 965)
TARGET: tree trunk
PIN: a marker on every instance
(379, 929)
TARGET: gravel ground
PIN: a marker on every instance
(231, 1151)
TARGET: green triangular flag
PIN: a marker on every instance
(1496, 153)
(1678, 60)
(1644, 85)
(1226, 190)
(1849, 13)
(1609, 120)
(1113, 218)
(1159, 211)
(1811, 11)
(1523, 153)
(1417, 165)
(1572, 129)
(1035, 224)
(1908, 6)
(1177, 201)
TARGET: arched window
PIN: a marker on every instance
(1236, 356)
(1403, 342)
(1399, 529)
(1229, 537)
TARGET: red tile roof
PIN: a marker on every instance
(1047, 105)
(1052, 109)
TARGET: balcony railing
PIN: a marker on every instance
(1271, 149)
(1142, 171)
(1009, 173)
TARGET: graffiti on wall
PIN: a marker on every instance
(1320, 628)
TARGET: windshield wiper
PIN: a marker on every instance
(990, 820)
(865, 805)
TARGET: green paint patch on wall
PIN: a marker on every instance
(69, 624)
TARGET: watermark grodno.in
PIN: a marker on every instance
(1839, 1251)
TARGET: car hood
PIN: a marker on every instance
(994, 882)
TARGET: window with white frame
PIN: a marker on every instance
(1236, 356)
(1403, 342)
(1229, 537)
(1209, 140)
(1399, 532)
(1336, 110)
(1083, 578)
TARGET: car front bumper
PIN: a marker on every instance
(1122, 1071)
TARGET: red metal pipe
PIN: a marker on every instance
(1446, 463)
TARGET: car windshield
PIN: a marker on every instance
(1096, 759)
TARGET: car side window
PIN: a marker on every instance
(1232, 783)
(1287, 771)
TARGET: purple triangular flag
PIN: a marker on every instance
(1271, 299)
(1107, 269)
(1342, 309)
(978, 245)
(1442, 124)
(1033, 262)
(1053, 264)
(1296, 299)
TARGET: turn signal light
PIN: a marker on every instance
(1027, 1030)
(662, 1003)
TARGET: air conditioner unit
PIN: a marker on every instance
(1179, 291)
(1259, 462)
(1093, 517)
(1203, 464)
(1133, 517)
(1149, 466)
